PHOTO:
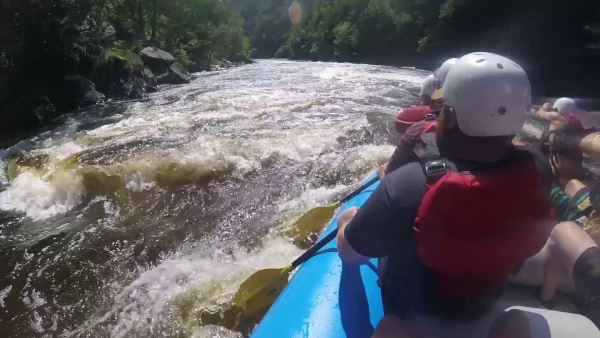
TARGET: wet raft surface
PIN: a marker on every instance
(136, 219)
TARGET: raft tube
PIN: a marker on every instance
(326, 298)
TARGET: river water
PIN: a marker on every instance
(133, 219)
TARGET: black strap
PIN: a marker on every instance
(433, 165)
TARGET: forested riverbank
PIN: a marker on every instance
(59, 55)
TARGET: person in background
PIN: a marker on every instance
(429, 85)
(562, 114)
(425, 219)
(415, 123)
(416, 114)
(569, 195)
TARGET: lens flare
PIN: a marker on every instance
(295, 13)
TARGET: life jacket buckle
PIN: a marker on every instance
(431, 117)
(434, 170)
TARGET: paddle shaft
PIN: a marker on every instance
(313, 250)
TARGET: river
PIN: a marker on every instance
(132, 219)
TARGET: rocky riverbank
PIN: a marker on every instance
(58, 56)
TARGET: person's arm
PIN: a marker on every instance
(547, 114)
(388, 214)
(401, 156)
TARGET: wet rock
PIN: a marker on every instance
(226, 64)
(44, 110)
(175, 75)
(82, 91)
(120, 73)
(157, 60)
(151, 83)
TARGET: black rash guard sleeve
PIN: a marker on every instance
(387, 217)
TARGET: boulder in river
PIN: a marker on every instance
(151, 83)
(83, 91)
(156, 59)
(175, 75)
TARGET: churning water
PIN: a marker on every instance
(141, 218)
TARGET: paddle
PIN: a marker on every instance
(315, 219)
(261, 289)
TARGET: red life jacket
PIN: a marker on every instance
(474, 230)
(414, 134)
(573, 122)
(412, 115)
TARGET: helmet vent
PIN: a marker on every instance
(500, 66)
(480, 61)
(502, 110)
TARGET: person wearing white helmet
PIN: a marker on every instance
(425, 219)
(413, 122)
(441, 73)
(428, 86)
(561, 115)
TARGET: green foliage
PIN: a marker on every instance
(183, 57)
(346, 36)
(131, 60)
(197, 32)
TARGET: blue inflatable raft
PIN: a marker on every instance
(326, 298)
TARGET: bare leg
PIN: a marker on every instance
(573, 187)
(569, 241)
(552, 267)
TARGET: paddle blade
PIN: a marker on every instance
(261, 289)
(311, 224)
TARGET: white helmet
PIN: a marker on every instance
(489, 93)
(565, 105)
(441, 73)
(429, 85)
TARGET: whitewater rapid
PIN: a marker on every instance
(137, 218)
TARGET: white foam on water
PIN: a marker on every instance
(213, 331)
(3, 176)
(368, 72)
(33, 299)
(61, 151)
(3, 294)
(312, 198)
(360, 159)
(36, 323)
(151, 294)
(41, 198)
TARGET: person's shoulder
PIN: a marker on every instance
(405, 186)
